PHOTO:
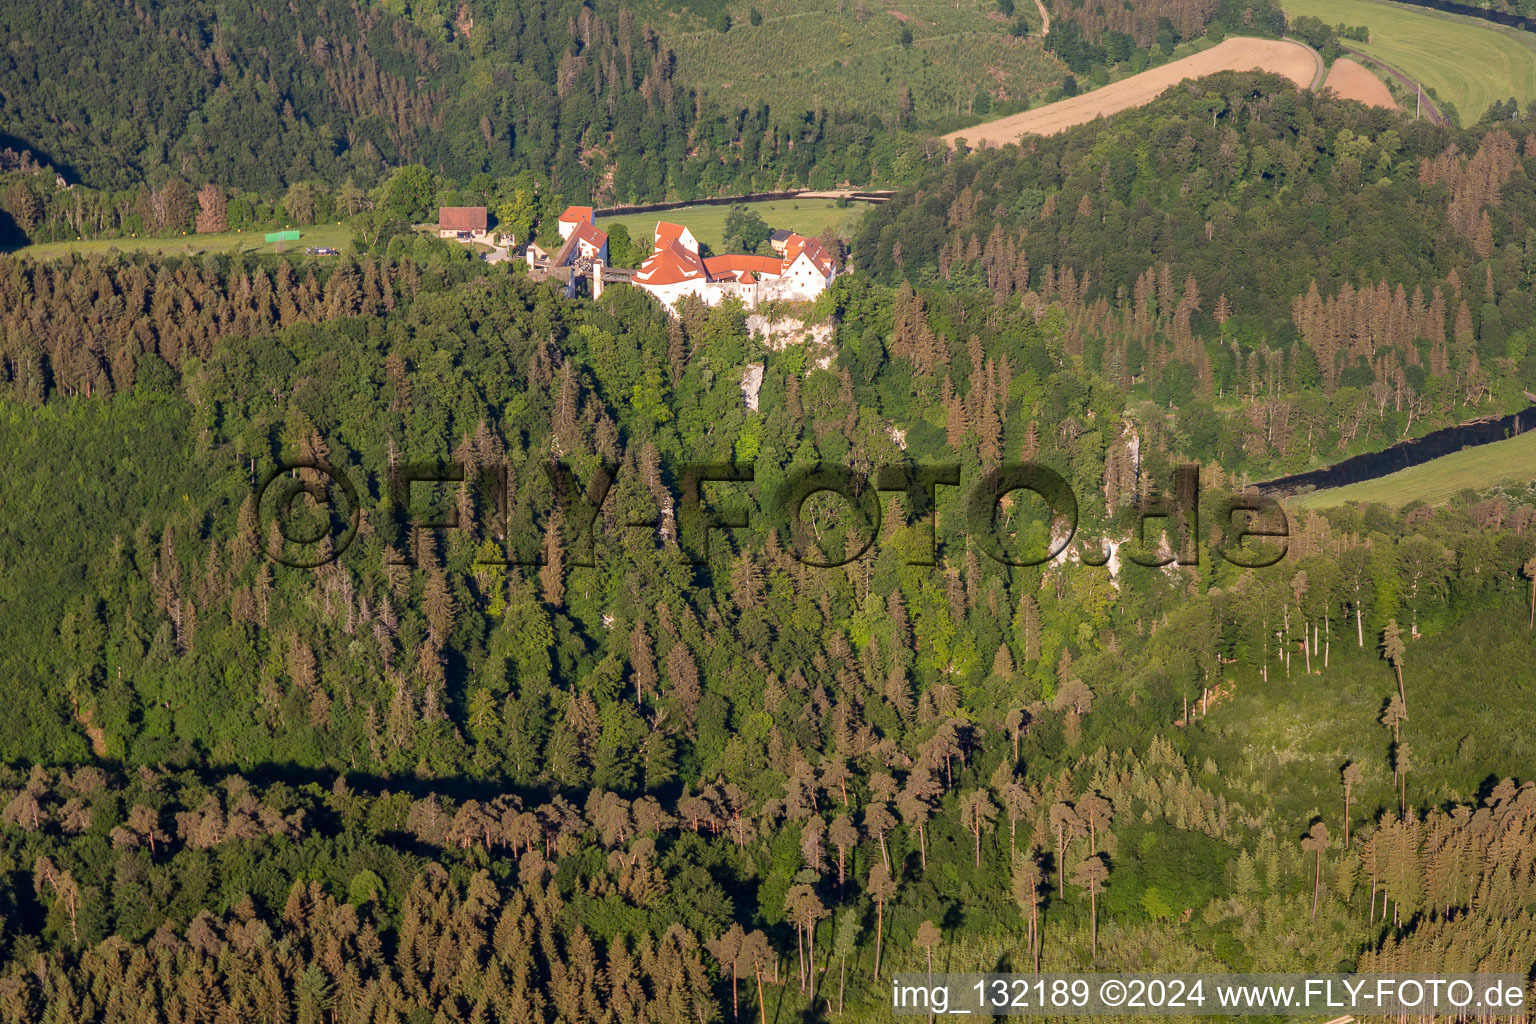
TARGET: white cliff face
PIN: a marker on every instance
(778, 335)
(752, 384)
(1072, 555)
(666, 524)
(1066, 554)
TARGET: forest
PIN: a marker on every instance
(558, 792)
(1089, 37)
(512, 745)
(130, 119)
(160, 119)
(1300, 278)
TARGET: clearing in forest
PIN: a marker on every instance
(1240, 53)
(1352, 81)
(850, 57)
(335, 236)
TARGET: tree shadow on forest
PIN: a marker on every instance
(11, 235)
(8, 141)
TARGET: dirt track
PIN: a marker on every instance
(1430, 109)
(1240, 53)
(1354, 82)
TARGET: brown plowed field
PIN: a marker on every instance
(1353, 82)
(1240, 53)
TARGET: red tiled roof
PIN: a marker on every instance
(589, 234)
(671, 264)
(796, 244)
(461, 218)
(667, 233)
(736, 265)
(576, 215)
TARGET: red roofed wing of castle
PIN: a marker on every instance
(736, 265)
(589, 234)
(796, 244)
(671, 264)
(668, 233)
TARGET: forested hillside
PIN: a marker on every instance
(1088, 37)
(259, 95)
(1299, 276)
(640, 777)
(508, 754)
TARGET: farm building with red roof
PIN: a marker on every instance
(467, 223)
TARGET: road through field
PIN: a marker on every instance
(1430, 109)
(1240, 53)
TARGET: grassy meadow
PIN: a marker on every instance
(1436, 481)
(334, 235)
(807, 216)
(1466, 60)
(1281, 744)
(848, 54)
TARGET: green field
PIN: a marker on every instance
(334, 235)
(807, 216)
(1468, 61)
(1280, 744)
(1437, 480)
(847, 54)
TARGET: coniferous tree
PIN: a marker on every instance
(1091, 874)
(881, 889)
(1026, 882)
(1393, 650)
(1315, 842)
(1351, 775)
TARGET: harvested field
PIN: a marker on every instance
(1240, 53)
(1352, 81)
